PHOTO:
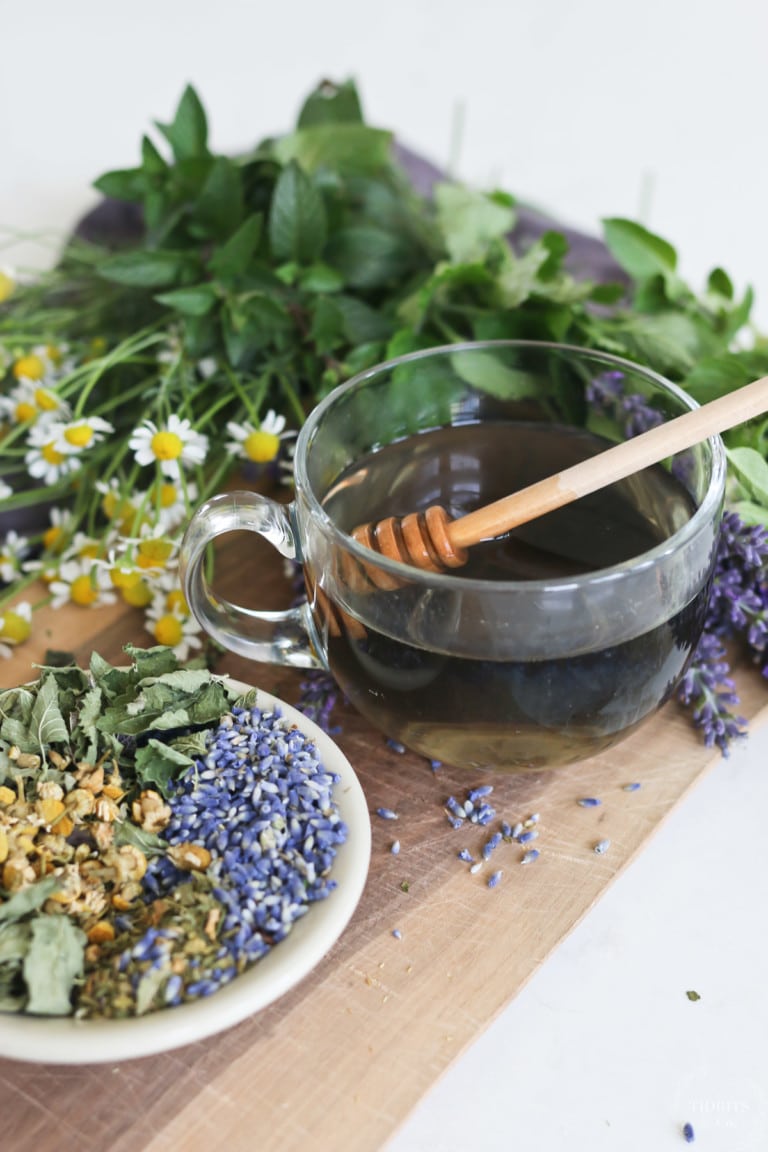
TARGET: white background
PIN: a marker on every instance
(657, 111)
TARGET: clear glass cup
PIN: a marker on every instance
(549, 644)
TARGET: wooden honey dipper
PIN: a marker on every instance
(431, 540)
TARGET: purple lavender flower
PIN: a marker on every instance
(607, 393)
(318, 695)
(709, 690)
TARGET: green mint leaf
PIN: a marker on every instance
(52, 964)
(298, 227)
(485, 372)
(219, 206)
(720, 284)
(638, 251)
(145, 269)
(519, 275)
(187, 134)
(471, 222)
(331, 104)
(360, 322)
(320, 278)
(751, 470)
(749, 512)
(151, 160)
(233, 258)
(343, 148)
(367, 256)
(122, 184)
(667, 341)
(195, 301)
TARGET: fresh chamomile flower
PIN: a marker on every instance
(81, 582)
(60, 523)
(259, 444)
(44, 460)
(12, 551)
(176, 443)
(5, 490)
(29, 401)
(78, 435)
(170, 504)
(38, 364)
(15, 627)
(174, 627)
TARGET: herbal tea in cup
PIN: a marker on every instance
(552, 642)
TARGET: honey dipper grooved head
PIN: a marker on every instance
(420, 539)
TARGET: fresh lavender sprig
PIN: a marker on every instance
(737, 609)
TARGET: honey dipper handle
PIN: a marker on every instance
(614, 464)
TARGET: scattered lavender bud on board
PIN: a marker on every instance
(494, 879)
(465, 855)
(631, 787)
(589, 802)
(531, 855)
(395, 746)
(395, 847)
(602, 847)
(397, 934)
(526, 837)
(387, 814)
(479, 793)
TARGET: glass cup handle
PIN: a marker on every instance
(284, 637)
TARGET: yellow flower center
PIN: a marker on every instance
(175, 601)
(46, 400)
(166, 445)
(79, 436)
(30, 367)
(53, 538)
(117, 507)
(14, 629)
(137, 595)
(50, 454)
(7, 286)
(261, 447)
(82, 591)
(154, 553)
(124, 577)
(25, 411)
(168, 631)
(165, 494)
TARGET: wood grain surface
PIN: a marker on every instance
(338, 1062)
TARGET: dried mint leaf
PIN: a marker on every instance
(47, 724)
(28, 899)
(54, 961)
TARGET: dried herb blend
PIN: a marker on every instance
(159, 832)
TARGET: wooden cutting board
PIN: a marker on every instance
(339, 1062)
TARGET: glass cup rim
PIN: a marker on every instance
(452, 580)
